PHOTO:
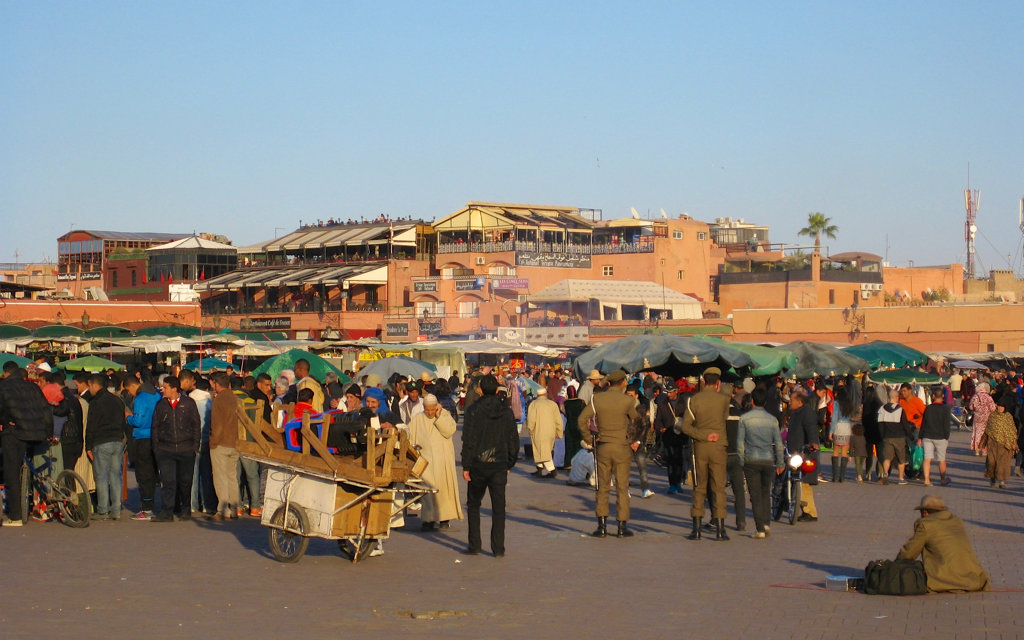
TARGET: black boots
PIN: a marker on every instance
(624, 532)
(695, 534)
(842, 469)
(720, 529)
(835, 467)
(602, 527)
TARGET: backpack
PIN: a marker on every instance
(895, 578)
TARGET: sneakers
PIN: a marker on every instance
(143, 516)
(377, 550)
(241, 512)
(758, 534)
(99, 516)
(805, 517)
(902, 481)
(647, 493)
(945, 481)
(767, 530)
(256, 513)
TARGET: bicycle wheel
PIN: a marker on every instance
(26, 494)
(285, 545)
(72, 499)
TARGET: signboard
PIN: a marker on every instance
(545, 259)
(397, 329)
(92, 275)
(376, 354)
(255, 324)
(510, 283)
(424, 286)
(517, 364)
(470, 285)
(430, 328)
(65, 277)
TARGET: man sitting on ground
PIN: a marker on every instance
(949, 560)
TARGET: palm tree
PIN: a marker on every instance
(818, 224)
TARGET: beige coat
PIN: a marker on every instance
(434, 438)
(949, 560)
(544, 421)
(318, 392)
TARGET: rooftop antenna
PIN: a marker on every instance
(972, 200)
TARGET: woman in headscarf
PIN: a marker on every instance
(983, 406)
(1000, 443)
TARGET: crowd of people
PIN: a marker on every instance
(179, 430)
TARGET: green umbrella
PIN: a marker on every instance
(13, 331)
(899, 376)
(882, 353)
(815, 359)
(663, 353)
(89, 363)
(318, 367)
(205, 365)
(767, 360)
(20, 360)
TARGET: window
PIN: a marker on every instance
(677, 235)
(113, 279)
(469, 309)
(831, 296)
(135, 278)
(663, 262)
(702, 235)
(679, 274)
(607, 270)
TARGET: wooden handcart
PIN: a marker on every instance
(348, 486)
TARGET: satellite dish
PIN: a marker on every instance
(636, 216)
(974, 228)
(663, 214)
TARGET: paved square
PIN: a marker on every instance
(201, 579)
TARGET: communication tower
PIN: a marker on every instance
(971, 201)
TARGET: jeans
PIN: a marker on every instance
(640, 456)
(759, 477)
(140, 452)
(483, 478)
(249, 480)
(106, 464)
(175, 482)
(204, 497)
(735, 472)
(675, 458)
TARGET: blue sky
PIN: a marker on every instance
(239, 118)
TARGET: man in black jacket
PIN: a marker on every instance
(934, 435)
(70, 408)
(105, 430)
(803, 439)
(25, 420)
(176, 438)
(490, 448)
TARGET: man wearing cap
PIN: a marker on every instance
(941, 539)
(431, 433)
(705, 423)
(589, 386)
(544, 420)
(412, 404)
(802, 438)
(614, 411)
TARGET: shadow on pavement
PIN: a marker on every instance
(996, 526)
(829, 569)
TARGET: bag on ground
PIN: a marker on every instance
(895, 578)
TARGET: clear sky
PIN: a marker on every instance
(242, 118)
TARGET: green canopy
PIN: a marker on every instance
(13, 331)
(256, 335)
(767, 360)
(662, 353)
(89, 363)
(815, 359)
(318, 367)
(58, 331)
(184, 332)
(205, 365)
(882, 353)
(21, 360)
(899, 376)
(108, 332)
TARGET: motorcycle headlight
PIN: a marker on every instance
(795, 461)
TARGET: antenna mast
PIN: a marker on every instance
(972, 199)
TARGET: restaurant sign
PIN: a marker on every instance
(256, 324)
(510, 283)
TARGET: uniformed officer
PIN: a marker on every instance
(705, 423)
(614, 411)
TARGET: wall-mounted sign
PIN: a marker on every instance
(510, 283)
(470, 285)
(397, 329)
(424, 286)
(430, 328)
(254, 324)
(544, 259)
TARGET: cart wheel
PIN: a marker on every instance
(354, 553)
(285, 545)
(72, 498)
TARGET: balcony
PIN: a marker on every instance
(216, 308)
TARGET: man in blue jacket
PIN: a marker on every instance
(140, 449)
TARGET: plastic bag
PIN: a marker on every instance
(917, 457)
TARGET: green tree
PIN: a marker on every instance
(818, 224)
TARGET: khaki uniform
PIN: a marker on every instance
(949, 560)
(614, 411)
(707, 413)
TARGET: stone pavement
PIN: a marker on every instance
(137, 579)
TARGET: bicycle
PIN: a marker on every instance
(44, 498)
